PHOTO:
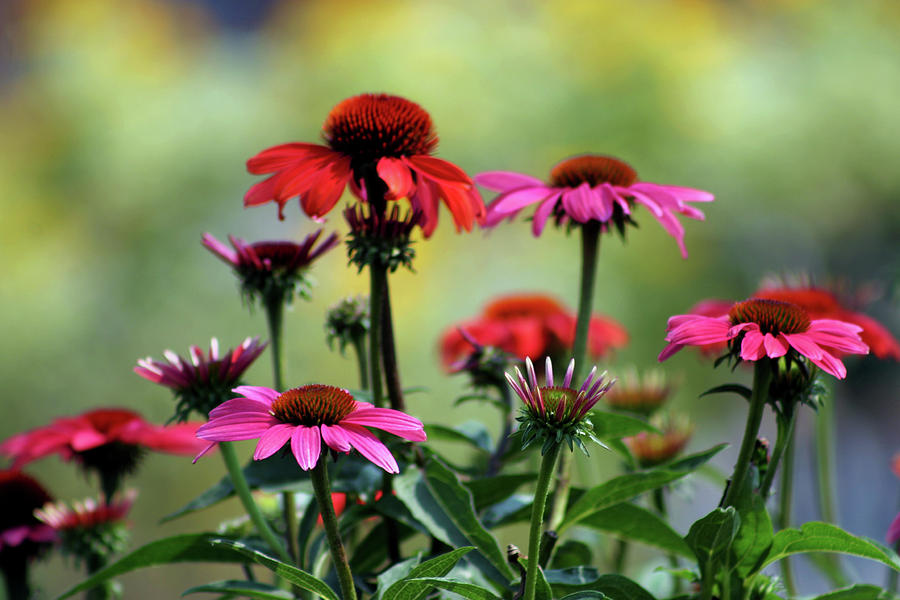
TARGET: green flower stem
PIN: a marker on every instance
(15, 578)
(548, 464)
(785, 501)
(391, 367)
(590, 249)
(762, 377)
(243, 492)
(322, 489)
(103, 590)
(784, 439)
(274, 306)
(659, 502)
(377, 281)
(496, 460)
(359, 346)
(828, 509)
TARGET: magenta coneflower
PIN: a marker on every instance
(557, 413)
(22, 537)
(205, 379)
(651, 448)
(591, 188)
(368, 136)
(307, 416)
(87, 514)
(759, 328)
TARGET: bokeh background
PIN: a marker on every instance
(125, 127)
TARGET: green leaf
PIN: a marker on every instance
(695, 461)
(491, 490)
(472, 433)
(195, 547)
(735, 388)
(571, 553)
(754, 537)
(824, 537)
(438, 500)
(301, 579)
(588, 579)
(247, 589)
(470, 591)
(439, 566)
(394, 574)
(542, 589)
(710, 538)
(586, 595)
(630, 522)
(613, 426)
(857, 592)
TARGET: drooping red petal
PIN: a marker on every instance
(279, 157)
(439, 169)
(327, 188)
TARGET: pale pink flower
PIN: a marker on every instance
(591, 188)
(86, 514)
(307, 416)
(769, 328)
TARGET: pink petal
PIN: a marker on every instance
(516, 200)
(233, 432)
(752, 346)
(578, 203)
(543, 213)
(370, 447)
(390, 420)
(220, 249)
(669, 351)
(306, 444)
(272, 440)
(835, 327)
(239, 406)
(396, 175)
(204, 451)
(893, 533)
(831, 365)
(775, 346)
(604, 202)
(850, 345)
(505, 181)
(335, 437)
(262, 394)
(804, 345)
(689, 194)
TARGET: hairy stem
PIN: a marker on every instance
(322, 489)
(762, 377)
(359, 347)
(548, 463)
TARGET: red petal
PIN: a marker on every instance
(396, 175)
(285, 155)
(438, 169)
(326, 189)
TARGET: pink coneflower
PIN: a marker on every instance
(269, 266)
(20, 532)
(591, 188)
(642, 394)
(87, 514)
(556, 413)
(368, 136)
(651, 448)
(205, 379)
(769, 328)
(307, 416)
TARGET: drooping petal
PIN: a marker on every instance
(603, 202)
(370, 447)
(505, 181)
(577, 203)
(219, 249)
(396, 175)
(279, 157)
(327, 188)
(438, 169)
(306, 444)
(335, 437)
(830, 364)
(543, 213)
(804, 345)
(390, 420)
(775, 346)
(752, 347)
(254, 392)
(232, 432)
(516, 200)
(272, 440)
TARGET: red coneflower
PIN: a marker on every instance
(370, 137)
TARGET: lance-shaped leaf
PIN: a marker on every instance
(244, 589)
(408, 589)
(711, 537)
(470, 591)
(825, 537)
(631, 522)
(588, 579)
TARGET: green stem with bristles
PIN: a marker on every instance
(322, 489)
(548, 464)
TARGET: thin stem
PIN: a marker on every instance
(785, 502)
(15, 576)
(359, 347)
(496, 460)
(322, 489)
(762, 377)
(103, 590)
(274, 306)
(243, 492)
(391, 368)
(548, 463)
(377, 280)
(828, 509)
(659, 502)
(784, 439)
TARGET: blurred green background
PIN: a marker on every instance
(125, 127)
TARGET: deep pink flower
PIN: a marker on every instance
(22, 537)
(369, 134)
(769, 328)
(99, 436)
(307, 416)
(87, 514)
(591, 188)
(269, 257)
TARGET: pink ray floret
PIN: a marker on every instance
(201, 367)
(306, 417)
(573, 406)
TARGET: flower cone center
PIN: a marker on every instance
(593, 170)
(558, 400)
(279, 254)
(312, 405)
(772, 316)
(370, 126)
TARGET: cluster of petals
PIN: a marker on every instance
(85, 514)
(819, 303)
(529, 325)
(256, 256)
(201, 367)
(319, 174)
(569, 409)
(71, 436)
(20, 495)
(585, 202)
(251, 416)
(821, 341)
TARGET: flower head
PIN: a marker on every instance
(758, 328)
(651, 449)
(109, 441)
(22, 536)
(307, 416)
(556, 413)
(589, 188)
(91, 527)
(271, 269)
(371, 137)
(205, 379)
(348, 321)
(530, 325)
(642, 394)
(486, 365)
(381, 239)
